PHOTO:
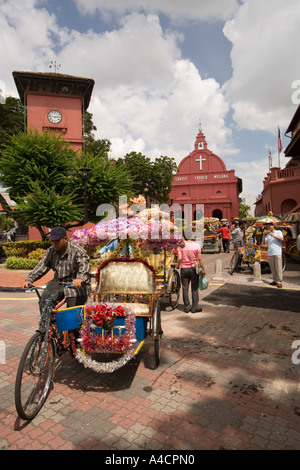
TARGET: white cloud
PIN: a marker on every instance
(146, 96)
(176, 9)
(264, 37)
(28, 38)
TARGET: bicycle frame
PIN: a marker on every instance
(47, 326)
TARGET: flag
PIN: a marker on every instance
(279, 140)
(270, 160)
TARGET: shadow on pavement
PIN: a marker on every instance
(253, 296)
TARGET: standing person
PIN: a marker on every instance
(274, 239)
(188, 257)
(8, 235)
(298, 242)
(70, 264)
(238, 240)
(224, 230)
(112, 245)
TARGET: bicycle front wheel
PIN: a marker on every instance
(233, 262)
(175, 290)
(34, 376)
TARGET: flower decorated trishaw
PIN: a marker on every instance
(291, 250)
(255, 248)
(131, 281)
(123, 309)
(212, 238)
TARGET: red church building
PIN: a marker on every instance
(202, 178)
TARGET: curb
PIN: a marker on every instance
(11, 289)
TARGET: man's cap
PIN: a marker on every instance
(57, 233)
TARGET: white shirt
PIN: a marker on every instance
(274, 245)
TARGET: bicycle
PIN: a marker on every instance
(37, 364)
(233, 264)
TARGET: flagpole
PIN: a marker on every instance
(279, 146)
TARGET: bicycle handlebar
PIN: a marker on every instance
(32, 288)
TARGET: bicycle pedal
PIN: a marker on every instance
(59, 351)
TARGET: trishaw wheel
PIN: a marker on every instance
(284, 260)
(34, 378)
(157, 332)
(175, 290)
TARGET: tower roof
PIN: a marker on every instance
(53, 83)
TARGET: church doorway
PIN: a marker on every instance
(218, 214)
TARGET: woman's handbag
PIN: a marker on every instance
(203, 283)
(199, 270)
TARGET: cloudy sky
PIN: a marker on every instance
(161, 66)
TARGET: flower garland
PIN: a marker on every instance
(122, 259)
(102, 315)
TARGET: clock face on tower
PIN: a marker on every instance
(54, 116)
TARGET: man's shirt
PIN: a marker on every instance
(274, 246)
(73, 264)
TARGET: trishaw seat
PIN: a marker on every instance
(126, 277)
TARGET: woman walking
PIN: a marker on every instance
(188, 258)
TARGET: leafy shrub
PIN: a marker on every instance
(13, 262)
(14, 251)
(24, 247)
(37, 254)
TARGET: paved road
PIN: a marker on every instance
(226, 380)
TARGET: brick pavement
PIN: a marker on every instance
(226, 381)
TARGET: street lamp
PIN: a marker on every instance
(146, 196)
(85, 177)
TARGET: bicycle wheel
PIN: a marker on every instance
(34, 378)
(175, 290)
(157, 332)
(233, 262)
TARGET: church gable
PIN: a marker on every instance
(201, 160)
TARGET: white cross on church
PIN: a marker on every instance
(201, 160)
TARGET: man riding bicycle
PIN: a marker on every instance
(70, 264)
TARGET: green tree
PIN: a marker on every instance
(44, 208)
(42, 175)
(244, 211)
(11, 119)
(154, 176)
(34, 169)
(105, 184)
(6, 222)
(31, 157)
(92, 145)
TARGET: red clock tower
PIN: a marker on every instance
(55, 101)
